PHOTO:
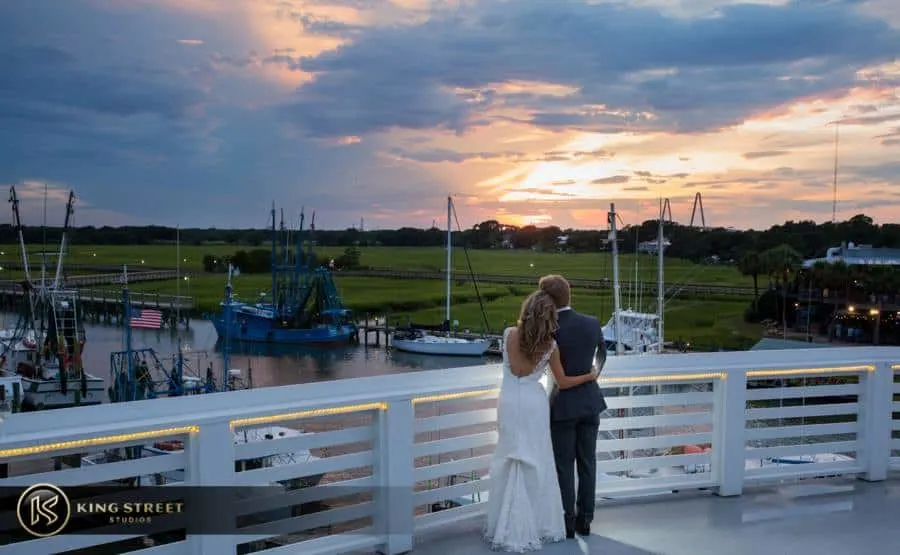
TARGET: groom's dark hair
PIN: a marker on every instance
(557, 287)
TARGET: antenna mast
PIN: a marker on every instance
(664, 208)
(837, 138)
(617, 300)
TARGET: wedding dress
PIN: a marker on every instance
(524, 508)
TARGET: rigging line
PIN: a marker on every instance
(484, 319)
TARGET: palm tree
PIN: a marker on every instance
(750, 264)
(780, 262)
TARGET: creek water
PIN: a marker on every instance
(271, 365)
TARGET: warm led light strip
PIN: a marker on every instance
(240, 422)
(806, 371)
(895, 366)
(95, 441)
(454, 396)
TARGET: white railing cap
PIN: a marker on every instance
(21, 429)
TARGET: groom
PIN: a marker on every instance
(575, 412)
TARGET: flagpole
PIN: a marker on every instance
(126, 311)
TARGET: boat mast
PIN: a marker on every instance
(70, 209)
(449, 257)
(18, 221)
(29, 294)
(617, 299)
(226, 351)
(660, 293)
(274, 264)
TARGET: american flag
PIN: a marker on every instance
(146, 318)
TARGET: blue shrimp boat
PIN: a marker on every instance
(304, 306)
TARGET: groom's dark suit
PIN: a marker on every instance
(575, 417)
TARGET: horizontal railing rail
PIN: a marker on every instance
(368, 463)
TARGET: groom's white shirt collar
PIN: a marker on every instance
(564, 308)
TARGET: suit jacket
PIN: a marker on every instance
(578, 338)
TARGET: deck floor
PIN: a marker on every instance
(821, 517)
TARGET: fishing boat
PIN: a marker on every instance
(305, 307)
(139, 374)
(629, 332)
(44, 348)
(426, 339)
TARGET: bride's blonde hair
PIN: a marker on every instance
(537, 325)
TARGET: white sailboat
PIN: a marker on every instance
(425, 342)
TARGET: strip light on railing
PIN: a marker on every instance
(455, 396)
(810, 371)
(331, 411)
(96, 441)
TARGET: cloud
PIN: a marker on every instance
(439, 155)
(611, 180)
(376, 108)
(764, 154)
(690, 74)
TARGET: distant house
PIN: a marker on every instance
(858, 255)
(562, 240)
(651, 247)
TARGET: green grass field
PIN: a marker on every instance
(708, 324)
(499, 262)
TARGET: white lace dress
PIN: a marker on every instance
(524, 509)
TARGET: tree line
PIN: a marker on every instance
(807, 238)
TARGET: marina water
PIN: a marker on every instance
(272, 365)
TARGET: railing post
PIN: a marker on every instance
(875, 422)
(393, 473)
(211, 463)
(729, 430)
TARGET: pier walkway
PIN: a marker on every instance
(90, 280)
(824, 517)
(398, 463)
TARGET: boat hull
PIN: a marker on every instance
(47, 394)
(263, 330)
(474, 348)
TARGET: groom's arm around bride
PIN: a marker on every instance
(575, 412)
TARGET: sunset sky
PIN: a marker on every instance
(202, 112)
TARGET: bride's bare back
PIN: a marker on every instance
(519, 364)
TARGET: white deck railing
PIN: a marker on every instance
(392, 450)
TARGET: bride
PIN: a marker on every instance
(524, 509)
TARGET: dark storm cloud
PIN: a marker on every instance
(720, 69)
